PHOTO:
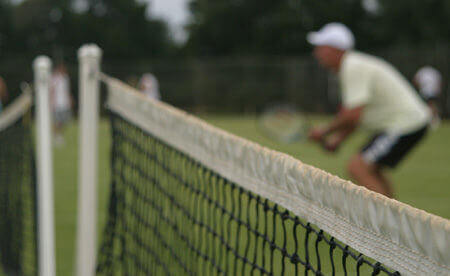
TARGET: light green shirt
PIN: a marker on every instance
(391, 104)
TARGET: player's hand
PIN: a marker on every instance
(331, 144)
(435, 122)
(316, 134)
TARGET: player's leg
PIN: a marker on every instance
(387, 183)
(366, 167)
(368, 175)
(384, 150)
(57, 127)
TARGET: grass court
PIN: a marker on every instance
(421, 180)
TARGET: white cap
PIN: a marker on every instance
(428, 80)
(336, 35)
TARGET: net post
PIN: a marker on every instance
(89, 57)
(46, 244)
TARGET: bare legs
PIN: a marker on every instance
(369, 176)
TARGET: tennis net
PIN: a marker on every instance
(189, 199)
(18, 244)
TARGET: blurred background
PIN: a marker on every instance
(230, 56)
(227, 60)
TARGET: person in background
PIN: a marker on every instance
(3, 93)
(428, 81)
(148, 84)
(61, 101)
(376, 97)
(132, 81)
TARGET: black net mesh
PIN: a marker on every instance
(18, 246)
(170, 215)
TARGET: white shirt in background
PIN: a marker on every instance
(391, 103)
(61, 91)
(428, 81)
(149, 86)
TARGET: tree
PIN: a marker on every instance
(225, 27)
(265, 27)
(40, 26)
(6, 31)
(416, 21)
(121, 27)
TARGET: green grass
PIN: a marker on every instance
(421, 180)
(66, 193)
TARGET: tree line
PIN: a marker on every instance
(216, 28)
(266, 27)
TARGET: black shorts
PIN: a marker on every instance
(388, 149)
(430, 98)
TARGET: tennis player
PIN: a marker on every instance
(61, 101)
(376, 97)
(148, 85)
(428, 81)
(3, 93)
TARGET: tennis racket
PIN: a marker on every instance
(284, 123)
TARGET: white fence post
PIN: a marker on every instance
(89, 57)
(46, 243)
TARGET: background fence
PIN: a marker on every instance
(246, 85)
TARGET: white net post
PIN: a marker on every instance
(89, 57)
(46, 244)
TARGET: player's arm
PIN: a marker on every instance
(344, 123)
(345, 120)
(68, 88)
(356, 94)
(3, 90)
(333, 141)
(433, 107)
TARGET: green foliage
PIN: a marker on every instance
(121, 27)
(5, 26)
(54, 27)
(415, 21)
(265, 27)
(217, 28)
(254, 26)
